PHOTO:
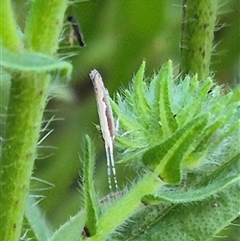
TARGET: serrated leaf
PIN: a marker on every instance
(123, 118)
(201, 144)
(195, 102)
(159, 214)
(159, 88)
(140, 144)
(183, 91)
(129, 155)
(166, 158)
(197, 221)
(90, 197)
(141, 102)
(166, 116)
(33, 62)
(218, 181)
(171, 169)
(235, 126)
(191, 195)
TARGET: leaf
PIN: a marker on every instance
(161, 115)
(71, 230)
(191, 195)
(190, 221)
(36, 220)
(231, 128)
(123, 118)
(90, 197)
(166, 115)
(33, 62)
(195, 101)
(166, 158)
(218, 181)
(202, 143)
(141, 104)
(197, 221)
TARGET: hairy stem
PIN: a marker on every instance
(8, 27)
(27, 100)
(198, 24)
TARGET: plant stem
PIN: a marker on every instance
(129, 204)
(8, 30)
(44, 25)
(26, 105)
(198, 24)
(28, 96)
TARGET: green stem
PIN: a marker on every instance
(44, 25)
(199, 19)
(8, 27)
(28, 96)
(27, 101)
(129, 204)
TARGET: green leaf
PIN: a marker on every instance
(167, 221)
(33, 62)
(166, 115)
(196, 221)
(232, 128)
(36, 220)
(71, 230)
(161, 115)
(202, 143)
(191, 195)
(218, 181)
(90, 197)
(188, 134)
(195, 101)
(141, 104)
(166, 158)
(123, 118)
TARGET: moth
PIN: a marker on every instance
(106, 123)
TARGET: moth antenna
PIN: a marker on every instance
(113, 168)
(108, 168)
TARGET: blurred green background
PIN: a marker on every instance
(118, 36)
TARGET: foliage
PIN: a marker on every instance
(194, 153)
(180, 135)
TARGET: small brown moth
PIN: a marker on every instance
(106, 123)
